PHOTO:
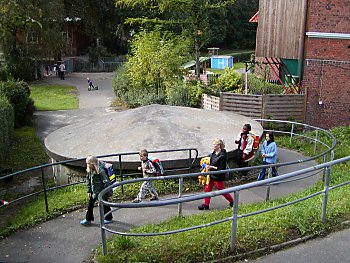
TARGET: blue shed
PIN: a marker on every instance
(221, 62)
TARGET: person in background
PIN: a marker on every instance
(218, 161)
(62, 69)
(269, 154)
(245, 152)
(96, 181)
(148, 170)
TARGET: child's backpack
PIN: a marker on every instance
(108, 167)
(157, 165)
(256, 141)
(255, 147)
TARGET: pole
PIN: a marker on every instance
(44, 189)
(234, 221)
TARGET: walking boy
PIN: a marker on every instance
(148, 170)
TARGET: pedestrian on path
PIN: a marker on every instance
(62, 69)
(148, 170)
(245, 153)
(218, 161)
(269, 154)
(96, 181)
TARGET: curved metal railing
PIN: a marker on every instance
(235, 190)
(192, 157)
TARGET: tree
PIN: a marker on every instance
(155, 61)
(191, 16)
(29, 31)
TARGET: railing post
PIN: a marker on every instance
(291, 133)
(324, 171)
(44, 189)
(179, 206)
(325, 195)
(316, 140)
(103, 231)
(234, 221)
(268, 189)
(121, 172)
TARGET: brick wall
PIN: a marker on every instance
(327, 65)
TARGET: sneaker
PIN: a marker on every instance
(106, 222)
(136, 200)
(85, 222)
(154, 198)
(203, 207)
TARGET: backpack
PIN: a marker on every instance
(108, 167)
(157, 165)
(255, 147)
(256, 141)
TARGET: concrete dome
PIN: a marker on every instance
(154, 127)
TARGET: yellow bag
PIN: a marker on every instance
(204, 179)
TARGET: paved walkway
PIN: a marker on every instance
(64, 240)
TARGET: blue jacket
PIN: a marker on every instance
(270, 151)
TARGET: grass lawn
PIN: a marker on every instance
(54, 97)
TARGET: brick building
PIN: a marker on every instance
(311, 39)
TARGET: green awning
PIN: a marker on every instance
(193, 62)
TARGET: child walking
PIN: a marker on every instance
(148, 170)
(269, 154)
(96, 181)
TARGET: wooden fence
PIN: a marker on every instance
(270, 106)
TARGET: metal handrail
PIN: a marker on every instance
(189, 198)
(191, 161)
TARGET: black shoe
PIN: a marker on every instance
(203, 207)
(154, 198)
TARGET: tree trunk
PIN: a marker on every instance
(197, 54)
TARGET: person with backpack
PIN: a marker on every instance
(245, 152)
(269, 154)
(218, 161)
(96, 181)
(148, 170)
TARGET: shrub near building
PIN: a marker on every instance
(6, 127)
(18, 96)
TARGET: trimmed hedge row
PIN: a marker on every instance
(7, 118)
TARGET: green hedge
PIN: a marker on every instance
(7, 126)
(259, 86)
(18, 96)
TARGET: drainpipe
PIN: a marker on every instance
(302, 44)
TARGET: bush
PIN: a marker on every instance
(6, 127)
(17, 95)
(184, 94)
(134, 97)
(228, 81)
(22, 69)
(259, 86)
